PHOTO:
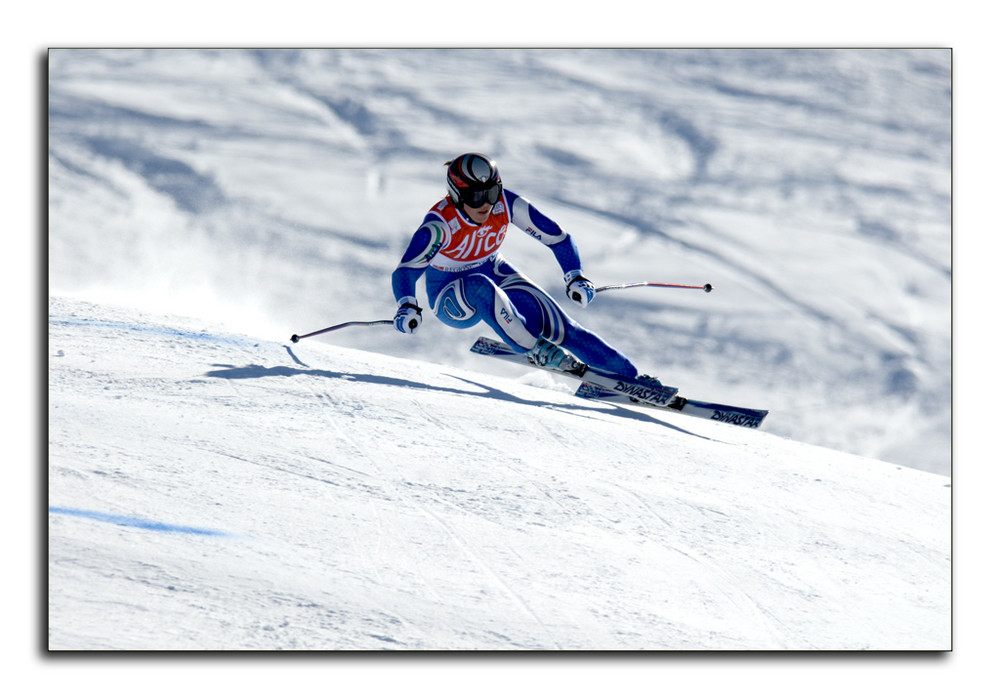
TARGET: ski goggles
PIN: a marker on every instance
(478, 197)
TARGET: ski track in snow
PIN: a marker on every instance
(397, 499)
(729, 587)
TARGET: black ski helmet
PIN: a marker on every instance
(474, 179)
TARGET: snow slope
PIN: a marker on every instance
(812, 188)
(213, 489)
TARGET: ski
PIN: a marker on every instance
(629, 389)
(611, 388)
(731, 414)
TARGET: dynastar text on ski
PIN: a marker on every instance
(604, 386)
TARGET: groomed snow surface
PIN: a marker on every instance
(214, 490)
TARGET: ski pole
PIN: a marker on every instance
(296, 338)
(705, 287)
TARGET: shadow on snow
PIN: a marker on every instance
(258, 371)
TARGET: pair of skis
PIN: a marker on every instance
(603, 386)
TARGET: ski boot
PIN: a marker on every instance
(548, 354)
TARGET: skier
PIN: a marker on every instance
(458, 247)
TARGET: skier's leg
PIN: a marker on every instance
(464, 301)
(590, 348)
(544, 317)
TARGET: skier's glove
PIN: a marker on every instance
(579, 288)
(408, 317)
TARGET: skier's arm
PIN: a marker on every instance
(423, 246)
(525, 216)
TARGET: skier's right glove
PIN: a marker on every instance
(579, 288)
(408, 317)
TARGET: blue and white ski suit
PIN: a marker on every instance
(469, 281)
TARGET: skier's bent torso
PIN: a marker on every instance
(468, 281)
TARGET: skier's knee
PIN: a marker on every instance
(453, 306)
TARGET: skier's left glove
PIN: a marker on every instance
(408, 316)
(579, 288)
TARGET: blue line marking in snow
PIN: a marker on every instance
(124, 521)
(171, 332)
